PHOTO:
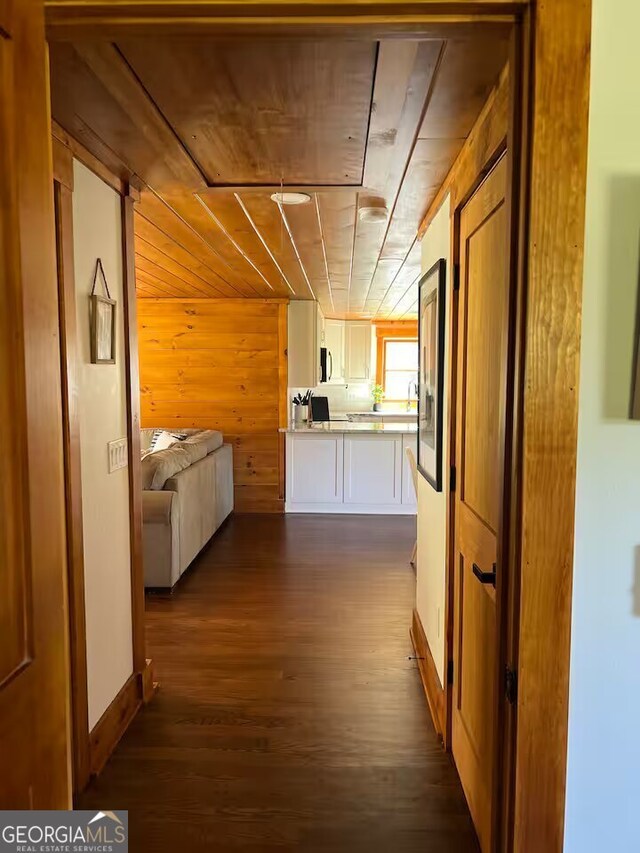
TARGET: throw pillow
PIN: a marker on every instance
(164, 438)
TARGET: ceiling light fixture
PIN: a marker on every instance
(373, 210)
(290, 198)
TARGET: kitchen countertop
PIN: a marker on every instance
(351, 426)
(401, 417)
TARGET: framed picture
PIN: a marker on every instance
(431, 320)
(102, 316)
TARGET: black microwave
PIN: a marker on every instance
(326, 364)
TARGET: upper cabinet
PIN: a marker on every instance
(357, 351)
(334, 342)
(306, 329)
(347, 345)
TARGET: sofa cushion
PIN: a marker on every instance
(210, 438)
(158, 467)
(196, 450)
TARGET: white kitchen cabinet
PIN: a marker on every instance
(335, 470)
(357, 351)
(373, 469)
(314, 469)
(305, 329)
(409, 498)
(334, 337)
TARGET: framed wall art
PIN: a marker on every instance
(102, 314)
(431, 321)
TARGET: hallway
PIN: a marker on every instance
(289, 715)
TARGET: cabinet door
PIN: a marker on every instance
(303, 347)
(320, 329)
(408, 490)
(334, 342)
(358, 357)
(314, 469)
(372, 469)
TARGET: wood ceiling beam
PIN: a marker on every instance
(112, 19)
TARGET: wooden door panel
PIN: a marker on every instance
(482, 338)
(485, 306)
(15, 615)
(476, 677)
(33, 662)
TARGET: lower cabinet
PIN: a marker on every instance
(314, 469)
(344, 473)
(372, 469)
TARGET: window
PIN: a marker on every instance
(400, 367)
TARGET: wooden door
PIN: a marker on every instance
(482, 341)
(34, 692)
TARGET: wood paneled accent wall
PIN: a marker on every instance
(221, 364)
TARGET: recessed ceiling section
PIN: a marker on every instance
(263, 112)
(211, 129)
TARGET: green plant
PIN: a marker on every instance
(378, 393)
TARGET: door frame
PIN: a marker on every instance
(90, 749)
(548, 132)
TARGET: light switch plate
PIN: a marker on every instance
(118, 454)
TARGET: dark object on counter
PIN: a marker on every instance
(299, 400)
(320, 409)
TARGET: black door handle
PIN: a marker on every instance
(485, 577)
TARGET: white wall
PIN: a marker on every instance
(603, 776)
(432, 505)
(102, 405)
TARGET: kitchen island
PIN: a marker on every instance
(350, 467)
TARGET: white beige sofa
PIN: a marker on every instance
(187, 494)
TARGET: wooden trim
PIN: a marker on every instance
(132, 371)
(346, 18)
(283, 399)
(63, 205)
(77, 149)
(480, 152)
(508, 600)
(107, 732)
(62, 164)
(397, 329)
(434, 691)
(452, 426)
(555, 247)
(148, 686)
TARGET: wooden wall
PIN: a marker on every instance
(221, 364)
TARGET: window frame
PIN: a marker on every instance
(403, 331)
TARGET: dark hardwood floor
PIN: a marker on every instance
(290, 715)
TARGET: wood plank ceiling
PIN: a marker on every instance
(212, 127)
